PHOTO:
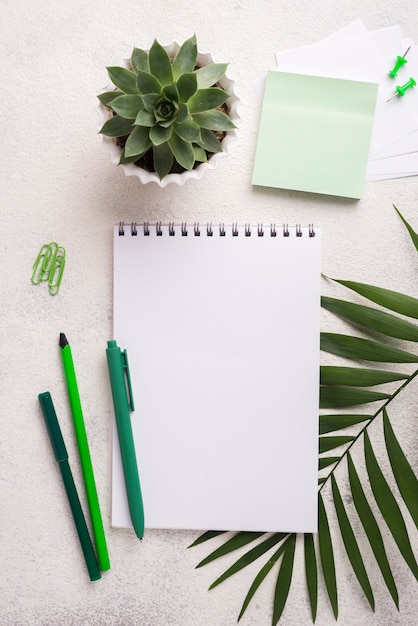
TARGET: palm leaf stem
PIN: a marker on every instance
(370, 421)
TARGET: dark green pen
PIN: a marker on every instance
(61, 457)
(120, 382)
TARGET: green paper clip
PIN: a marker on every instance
(56, 271)
(400, 61)
(43, 263)
(49, 266)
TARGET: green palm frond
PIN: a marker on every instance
(360, 386)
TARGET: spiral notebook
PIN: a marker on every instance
(221, 326)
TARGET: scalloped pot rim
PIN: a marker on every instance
(147, 177)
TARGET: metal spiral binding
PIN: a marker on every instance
(235, 230)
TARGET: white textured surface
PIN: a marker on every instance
(57, 183)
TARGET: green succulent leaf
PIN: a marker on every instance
(393, 300)
(186, 86)
(284, 579)
(159, 134)
(186, 57)
(206, 100)
(124, 160)
(188, 130)
(388, 506)
(163, 159)
(183, 113)
(331, 423)
(326, 553)
(144, 118)
(123, 79)
(148, 84)
(199, 154)
(364, 349)
(139, 60)
(311, 572)
(182, 151)
(116, 126)
(138, 141)
(107, 97)
(335, 396)
(160, 64)
(356, 376)
(149, 101)
(372, 529)
(350, 543)
(209, 142)
(209, 75)
(127, 106)
(171, 92)
(405, 478)
(373, 319)
(214, 120)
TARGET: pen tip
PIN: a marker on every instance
(63, 340)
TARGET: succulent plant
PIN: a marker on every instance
(169, 108)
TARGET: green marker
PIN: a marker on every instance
(61, 457)
(85, 458)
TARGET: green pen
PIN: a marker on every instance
(120, 383)
(61, 457)
(85, 458)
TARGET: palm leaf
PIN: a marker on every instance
(372, 319)
(260, 577)
(329, 443)
(237, 541)
(364, 349)
(326, 553)
(341, 387)
(284, 579)
(356, 376)
(335, 397)
(404, 476)
(412, 233)
(388, 506)
(371, 528)
(249, 557)
(331, 423)
(398, 302)
(311, 571)
(351, 545)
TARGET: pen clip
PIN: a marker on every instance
(125, 366)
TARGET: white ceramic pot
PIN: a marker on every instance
(147, 177)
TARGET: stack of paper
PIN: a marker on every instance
(355, 54)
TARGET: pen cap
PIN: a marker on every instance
(53, 427)
(120, 378)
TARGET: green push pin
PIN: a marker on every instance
(399, 62)
(400, 91)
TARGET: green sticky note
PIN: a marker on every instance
(314, 134)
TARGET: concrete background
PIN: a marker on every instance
(57, 184)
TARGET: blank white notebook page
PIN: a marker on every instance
(222, 336)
